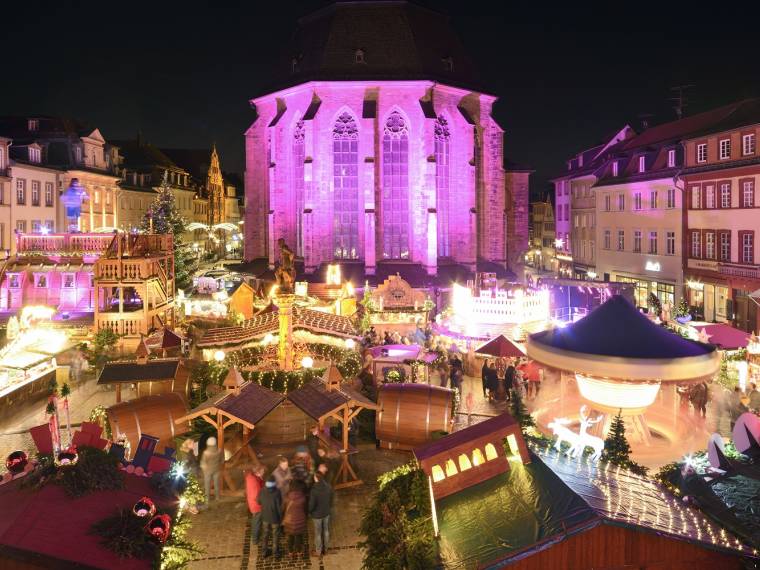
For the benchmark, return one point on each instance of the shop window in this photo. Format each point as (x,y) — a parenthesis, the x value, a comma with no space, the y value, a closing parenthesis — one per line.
(68,281)
(40,280)
(438,474)
(477,457)
(451,468)
(13,281)
(491,452)
(464,463)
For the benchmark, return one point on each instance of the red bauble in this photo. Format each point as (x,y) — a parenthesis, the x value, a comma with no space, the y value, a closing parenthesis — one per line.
(145,507)
(16,462)
(159,527)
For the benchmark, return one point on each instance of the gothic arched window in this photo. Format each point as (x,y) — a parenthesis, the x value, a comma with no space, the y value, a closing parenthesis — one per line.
(299,154)
(395,197)
(441,134)
(346,187)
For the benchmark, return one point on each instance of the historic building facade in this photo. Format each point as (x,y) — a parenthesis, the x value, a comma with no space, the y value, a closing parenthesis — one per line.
(542,253)
(378,149)
(720,178)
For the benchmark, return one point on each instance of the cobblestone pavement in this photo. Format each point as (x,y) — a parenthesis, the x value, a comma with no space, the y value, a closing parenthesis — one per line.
(84,397)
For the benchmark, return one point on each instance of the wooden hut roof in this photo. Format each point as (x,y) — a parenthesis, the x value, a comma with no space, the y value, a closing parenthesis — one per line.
(164,339)
(567,497)
(267,322)
(249,406)
(132,372)
(501,347)
(316,401)
(501,422)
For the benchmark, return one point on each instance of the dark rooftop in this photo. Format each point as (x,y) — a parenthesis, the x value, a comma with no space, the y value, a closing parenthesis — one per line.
(114,372)
(252,404)
(398,40)
(470,433)
(617,328)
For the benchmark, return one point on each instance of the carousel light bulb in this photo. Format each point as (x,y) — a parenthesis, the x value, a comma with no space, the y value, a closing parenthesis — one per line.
(219,355)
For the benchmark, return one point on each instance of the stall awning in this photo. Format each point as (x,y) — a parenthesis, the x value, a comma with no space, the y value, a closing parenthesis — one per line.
(724,336)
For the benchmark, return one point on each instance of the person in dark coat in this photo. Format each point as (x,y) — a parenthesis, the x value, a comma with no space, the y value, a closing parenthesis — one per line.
(484,377)
(509,379)
(320,505)
(492,381)
(294,518)
(313,443)
(270,500)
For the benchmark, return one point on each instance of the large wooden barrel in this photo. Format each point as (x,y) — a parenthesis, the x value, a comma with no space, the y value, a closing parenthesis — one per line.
(410,413)
(152,415)
(285,424)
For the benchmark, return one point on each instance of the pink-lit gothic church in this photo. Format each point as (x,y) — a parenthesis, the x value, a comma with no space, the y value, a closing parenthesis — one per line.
(378,147)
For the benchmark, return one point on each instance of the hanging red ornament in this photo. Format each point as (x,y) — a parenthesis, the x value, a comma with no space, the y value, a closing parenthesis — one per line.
(16,462)
(159,527)
(145,507)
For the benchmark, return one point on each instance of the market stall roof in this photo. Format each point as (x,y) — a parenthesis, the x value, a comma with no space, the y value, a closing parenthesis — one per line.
(616,341)
(724,336)
(465,435)
(47,528)
(132,372)
(248,406)
(534,506)
(267,322)
(316,401)
(501,347)
(164,339)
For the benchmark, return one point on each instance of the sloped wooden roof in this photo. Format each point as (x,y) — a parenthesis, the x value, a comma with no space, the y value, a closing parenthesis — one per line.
(130,372)
(249,406)
(267,322)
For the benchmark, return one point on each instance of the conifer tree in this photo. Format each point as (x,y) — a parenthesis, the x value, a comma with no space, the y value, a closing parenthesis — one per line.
(520,412)
(163,217)
(617,450)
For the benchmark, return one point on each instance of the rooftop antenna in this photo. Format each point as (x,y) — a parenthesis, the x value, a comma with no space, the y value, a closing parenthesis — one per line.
(678,98)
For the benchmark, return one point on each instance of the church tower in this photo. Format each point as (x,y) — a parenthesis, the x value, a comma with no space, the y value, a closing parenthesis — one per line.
(215,189)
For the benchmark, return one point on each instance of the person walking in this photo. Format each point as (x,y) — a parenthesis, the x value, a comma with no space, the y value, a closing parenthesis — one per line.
(492,381)
(735,406)
(211,465)
(509,379)
(294,518)
(698,397)
(484,377)
(754,398)
(443,375)
(254,482)
(270,501)
(313,443)
(320,504)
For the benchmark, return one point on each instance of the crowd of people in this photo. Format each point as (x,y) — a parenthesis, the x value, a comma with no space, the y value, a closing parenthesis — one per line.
(294,492)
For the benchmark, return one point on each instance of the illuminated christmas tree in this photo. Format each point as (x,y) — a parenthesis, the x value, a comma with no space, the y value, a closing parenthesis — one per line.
(163,217)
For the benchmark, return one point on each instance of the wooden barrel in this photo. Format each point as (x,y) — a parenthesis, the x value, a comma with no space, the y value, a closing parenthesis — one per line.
(285,424)
(151,415)
(410,413)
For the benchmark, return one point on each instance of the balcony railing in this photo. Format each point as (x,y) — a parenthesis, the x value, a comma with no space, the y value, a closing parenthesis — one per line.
(62,244)
(746,271)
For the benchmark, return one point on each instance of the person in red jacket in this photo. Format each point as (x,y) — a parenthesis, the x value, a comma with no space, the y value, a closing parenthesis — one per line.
(254,481)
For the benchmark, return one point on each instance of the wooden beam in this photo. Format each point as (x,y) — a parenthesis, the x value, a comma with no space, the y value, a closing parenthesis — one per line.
(209,420)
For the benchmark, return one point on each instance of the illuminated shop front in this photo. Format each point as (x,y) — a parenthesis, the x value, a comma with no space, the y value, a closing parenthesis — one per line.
(709,301)
(642,288)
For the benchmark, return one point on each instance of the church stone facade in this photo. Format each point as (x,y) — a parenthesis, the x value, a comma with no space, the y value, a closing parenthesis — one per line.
(378,148)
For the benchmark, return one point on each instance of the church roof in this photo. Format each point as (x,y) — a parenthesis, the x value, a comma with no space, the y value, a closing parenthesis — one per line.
(398,41)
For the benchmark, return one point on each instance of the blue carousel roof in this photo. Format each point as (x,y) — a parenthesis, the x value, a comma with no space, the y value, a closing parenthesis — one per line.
(618,329)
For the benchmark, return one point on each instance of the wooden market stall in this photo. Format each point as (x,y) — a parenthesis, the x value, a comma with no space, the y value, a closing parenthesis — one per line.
(243,403)
(328,398)
(410,413)
(151,377)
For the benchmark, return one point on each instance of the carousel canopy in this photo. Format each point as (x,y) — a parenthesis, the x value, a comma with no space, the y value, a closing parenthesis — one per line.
(616,340)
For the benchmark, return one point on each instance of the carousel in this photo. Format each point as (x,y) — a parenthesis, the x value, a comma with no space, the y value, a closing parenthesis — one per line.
(616,359)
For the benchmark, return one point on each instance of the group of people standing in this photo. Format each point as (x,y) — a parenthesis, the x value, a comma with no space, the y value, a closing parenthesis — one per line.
(293,493)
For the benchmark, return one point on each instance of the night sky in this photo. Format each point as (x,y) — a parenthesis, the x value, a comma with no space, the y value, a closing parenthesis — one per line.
(567,74)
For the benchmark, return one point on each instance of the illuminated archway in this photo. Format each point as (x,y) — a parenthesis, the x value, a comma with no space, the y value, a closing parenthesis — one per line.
(477,457)
(491,452)
(437,474)
(451,468)
(464,462)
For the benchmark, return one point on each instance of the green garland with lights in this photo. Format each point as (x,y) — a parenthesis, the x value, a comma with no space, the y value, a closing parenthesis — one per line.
(99,415)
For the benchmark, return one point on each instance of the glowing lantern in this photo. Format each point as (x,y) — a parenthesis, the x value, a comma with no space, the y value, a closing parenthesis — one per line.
(219,355)
(350,344)
(307,362)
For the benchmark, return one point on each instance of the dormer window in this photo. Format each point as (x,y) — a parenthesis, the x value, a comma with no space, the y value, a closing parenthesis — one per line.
(448,63)
(642,163)
(33,125)
(615,168)
(671,158)
(359,56)
(35,154)
(78,154)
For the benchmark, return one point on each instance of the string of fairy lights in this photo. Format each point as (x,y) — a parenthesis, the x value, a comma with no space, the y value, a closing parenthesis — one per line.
(635,499)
